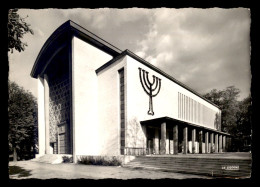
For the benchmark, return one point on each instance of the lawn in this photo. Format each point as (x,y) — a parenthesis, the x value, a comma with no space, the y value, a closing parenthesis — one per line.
(16,170)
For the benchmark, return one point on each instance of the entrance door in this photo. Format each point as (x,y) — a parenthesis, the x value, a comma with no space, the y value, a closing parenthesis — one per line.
(63,138)
(150,140)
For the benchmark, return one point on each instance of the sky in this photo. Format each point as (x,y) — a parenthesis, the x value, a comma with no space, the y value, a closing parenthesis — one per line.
(203,48)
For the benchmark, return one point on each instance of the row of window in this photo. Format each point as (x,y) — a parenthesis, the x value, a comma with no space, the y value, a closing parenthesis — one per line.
(193,111)
(122,110)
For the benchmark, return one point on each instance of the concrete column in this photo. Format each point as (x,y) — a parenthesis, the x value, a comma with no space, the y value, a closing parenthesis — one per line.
(227,143)
(185,140)
(46,109)
(224,143)
(216,143)
(156,141)
(200,140)
(206,142)
(211,141)
(163,139)
(220,143)
(41,117)
(193,138)
(167,143)
(145,138)
(175,139)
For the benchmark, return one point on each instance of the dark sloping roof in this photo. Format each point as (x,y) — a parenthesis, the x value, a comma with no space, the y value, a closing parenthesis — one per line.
(61,36)
(128,52)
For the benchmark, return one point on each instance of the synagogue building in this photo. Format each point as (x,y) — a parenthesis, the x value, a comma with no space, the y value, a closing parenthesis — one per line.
(95,99)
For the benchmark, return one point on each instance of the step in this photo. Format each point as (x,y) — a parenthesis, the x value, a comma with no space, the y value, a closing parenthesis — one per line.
(194,165)
(191,163)
(197,169)
(206,166)
(192,158)
(215,173)
(241,169)
(51,158)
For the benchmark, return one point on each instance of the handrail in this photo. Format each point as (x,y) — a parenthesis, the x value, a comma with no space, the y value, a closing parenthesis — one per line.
(135,151)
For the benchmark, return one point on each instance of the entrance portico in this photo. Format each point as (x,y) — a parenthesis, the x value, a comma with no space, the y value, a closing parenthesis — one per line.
(172,136)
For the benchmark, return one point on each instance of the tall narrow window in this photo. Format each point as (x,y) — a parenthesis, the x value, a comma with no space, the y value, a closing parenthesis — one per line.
(192,110)
(178,105)
(182,106)
(189,107)
(122,110)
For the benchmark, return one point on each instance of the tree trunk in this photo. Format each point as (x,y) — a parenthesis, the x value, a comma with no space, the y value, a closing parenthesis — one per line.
(14,154)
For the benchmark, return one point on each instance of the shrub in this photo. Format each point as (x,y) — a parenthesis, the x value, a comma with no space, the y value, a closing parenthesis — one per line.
(100,160)
(67,159)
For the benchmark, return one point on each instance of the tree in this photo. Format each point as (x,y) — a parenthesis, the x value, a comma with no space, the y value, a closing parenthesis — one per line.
(244,124)
(229,108)
(17,27)
(227,101)
(235,115)
(215,96)
(22,114)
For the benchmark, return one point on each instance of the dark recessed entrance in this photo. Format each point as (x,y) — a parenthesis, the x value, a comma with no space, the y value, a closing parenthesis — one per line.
(59,103)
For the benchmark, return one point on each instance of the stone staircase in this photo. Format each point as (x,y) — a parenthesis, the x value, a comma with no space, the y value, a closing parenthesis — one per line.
(51,158)
(217,166)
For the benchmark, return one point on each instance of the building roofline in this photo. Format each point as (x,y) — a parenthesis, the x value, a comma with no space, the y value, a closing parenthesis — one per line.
(144,62)
(95,37)
(72,29)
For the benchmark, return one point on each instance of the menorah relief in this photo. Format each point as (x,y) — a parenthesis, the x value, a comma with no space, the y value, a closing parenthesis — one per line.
(151,88)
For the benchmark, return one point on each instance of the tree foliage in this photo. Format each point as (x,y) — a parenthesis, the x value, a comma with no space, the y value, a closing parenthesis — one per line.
(243,129)
(22,114)
(17,27)
(235,115)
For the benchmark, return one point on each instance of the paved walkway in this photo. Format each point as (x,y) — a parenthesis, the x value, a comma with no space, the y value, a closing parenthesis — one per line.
(78,171)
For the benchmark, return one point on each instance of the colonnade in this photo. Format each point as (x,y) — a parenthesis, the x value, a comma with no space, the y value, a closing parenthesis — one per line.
(209,141)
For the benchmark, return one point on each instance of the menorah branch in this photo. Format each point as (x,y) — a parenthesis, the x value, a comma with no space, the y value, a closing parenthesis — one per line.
(147,86)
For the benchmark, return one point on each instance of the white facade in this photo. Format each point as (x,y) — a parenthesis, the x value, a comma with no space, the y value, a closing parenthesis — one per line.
(166,102)
(95,100)
(137,101)
(85,60)
(41,116)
